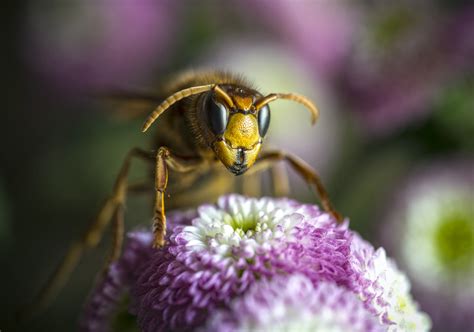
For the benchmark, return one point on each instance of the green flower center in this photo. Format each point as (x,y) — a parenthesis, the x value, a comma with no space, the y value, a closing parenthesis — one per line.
(242,224)
(454,241)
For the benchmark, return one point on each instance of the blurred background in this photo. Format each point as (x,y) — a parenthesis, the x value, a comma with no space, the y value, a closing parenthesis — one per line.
(394,144)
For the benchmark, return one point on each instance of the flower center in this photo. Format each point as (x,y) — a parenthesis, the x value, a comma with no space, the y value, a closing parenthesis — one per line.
(242,224)
(454,240)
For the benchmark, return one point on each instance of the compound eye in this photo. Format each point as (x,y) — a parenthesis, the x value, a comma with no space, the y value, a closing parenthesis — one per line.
(217,116)
(263,120)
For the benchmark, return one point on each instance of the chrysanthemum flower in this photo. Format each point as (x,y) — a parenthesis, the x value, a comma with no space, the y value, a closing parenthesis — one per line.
(432,233)
(217,254)
(384,288)
(293,303)
(229,247)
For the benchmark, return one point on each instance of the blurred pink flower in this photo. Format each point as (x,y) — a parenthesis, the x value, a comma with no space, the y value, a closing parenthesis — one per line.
(405,54)
(82,44)
(321,31)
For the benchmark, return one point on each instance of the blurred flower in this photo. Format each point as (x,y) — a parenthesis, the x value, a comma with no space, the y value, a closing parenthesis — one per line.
(405,54)
(293,303)
(320,31)
(215,255)
(275,69)
(432,232)
(80,44)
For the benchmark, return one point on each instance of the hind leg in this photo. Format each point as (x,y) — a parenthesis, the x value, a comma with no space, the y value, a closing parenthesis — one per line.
(112,209)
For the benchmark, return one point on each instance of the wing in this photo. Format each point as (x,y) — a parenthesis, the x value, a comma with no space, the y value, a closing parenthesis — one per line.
(130,105)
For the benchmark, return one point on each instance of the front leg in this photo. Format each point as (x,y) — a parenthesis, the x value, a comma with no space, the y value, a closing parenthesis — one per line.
(267,159)
(165,160)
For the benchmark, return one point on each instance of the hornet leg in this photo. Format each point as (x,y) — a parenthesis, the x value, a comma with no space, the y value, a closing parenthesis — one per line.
(267,159)
(113,208)
(166,160)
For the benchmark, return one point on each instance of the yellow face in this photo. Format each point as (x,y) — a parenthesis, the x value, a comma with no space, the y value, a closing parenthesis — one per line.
(241,144)
(238,132)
